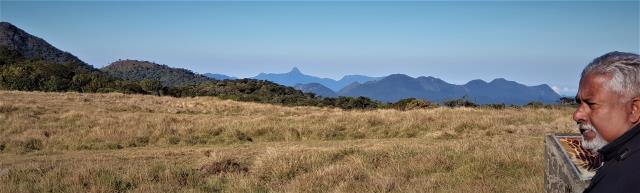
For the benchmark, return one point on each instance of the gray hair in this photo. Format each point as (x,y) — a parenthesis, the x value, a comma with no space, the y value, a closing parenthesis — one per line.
(624,69)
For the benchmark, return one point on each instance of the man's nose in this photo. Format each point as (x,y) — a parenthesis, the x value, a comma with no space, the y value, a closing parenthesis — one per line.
(580,115)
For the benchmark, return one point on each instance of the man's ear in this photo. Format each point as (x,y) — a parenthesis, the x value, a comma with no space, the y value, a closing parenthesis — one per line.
(635,110)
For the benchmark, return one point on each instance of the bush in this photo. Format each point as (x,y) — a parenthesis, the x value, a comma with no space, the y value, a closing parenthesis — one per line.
(224,167)
(31,145)
(567,101)
(7,108)
(106,90)
(112,181)
(114,146)
(139,142)
(463,102)
(495,106)
(535,105)
(351,103)
(151,86)
(173,140)
(412,103)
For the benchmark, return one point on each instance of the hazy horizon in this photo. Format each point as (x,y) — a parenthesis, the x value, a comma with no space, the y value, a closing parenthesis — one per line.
(527,42)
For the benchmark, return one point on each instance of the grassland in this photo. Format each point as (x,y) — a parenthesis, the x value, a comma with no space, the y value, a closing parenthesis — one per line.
(74,142)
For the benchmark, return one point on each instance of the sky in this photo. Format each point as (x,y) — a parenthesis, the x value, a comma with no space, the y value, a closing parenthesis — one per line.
(531,42)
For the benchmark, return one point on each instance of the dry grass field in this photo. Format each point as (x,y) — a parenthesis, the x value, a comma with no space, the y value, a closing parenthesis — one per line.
(74,142)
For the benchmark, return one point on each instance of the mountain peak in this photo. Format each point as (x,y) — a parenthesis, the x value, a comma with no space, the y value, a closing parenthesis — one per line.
(503,81)
(295,70)
(7,26)
(476,81)
(500,80)
(398,76)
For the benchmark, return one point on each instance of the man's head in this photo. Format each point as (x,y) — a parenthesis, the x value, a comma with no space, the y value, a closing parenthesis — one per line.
(608,98)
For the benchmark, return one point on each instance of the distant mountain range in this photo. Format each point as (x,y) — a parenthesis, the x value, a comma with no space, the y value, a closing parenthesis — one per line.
(399,86)
(295,77)
(219,76)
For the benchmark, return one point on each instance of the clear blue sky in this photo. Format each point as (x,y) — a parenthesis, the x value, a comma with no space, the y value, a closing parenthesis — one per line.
(531,42)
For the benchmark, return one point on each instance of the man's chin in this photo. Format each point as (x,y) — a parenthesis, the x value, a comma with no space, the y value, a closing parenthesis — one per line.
(594,144)
(591,139)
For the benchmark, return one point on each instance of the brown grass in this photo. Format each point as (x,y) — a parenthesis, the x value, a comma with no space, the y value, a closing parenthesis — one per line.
(73,142)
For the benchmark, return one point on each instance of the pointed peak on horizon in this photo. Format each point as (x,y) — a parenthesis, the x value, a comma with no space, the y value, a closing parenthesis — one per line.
(295,70)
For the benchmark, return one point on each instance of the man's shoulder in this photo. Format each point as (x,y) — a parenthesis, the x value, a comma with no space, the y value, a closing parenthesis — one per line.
(629,156)
(628,160)
(622,172)
(631,151)
(619,175)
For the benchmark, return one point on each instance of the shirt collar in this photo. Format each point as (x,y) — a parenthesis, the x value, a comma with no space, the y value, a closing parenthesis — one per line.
(615,148)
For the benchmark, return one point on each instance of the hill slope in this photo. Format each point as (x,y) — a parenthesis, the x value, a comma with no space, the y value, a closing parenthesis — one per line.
(29,47)
(316,88)
(136,70)
(30,63)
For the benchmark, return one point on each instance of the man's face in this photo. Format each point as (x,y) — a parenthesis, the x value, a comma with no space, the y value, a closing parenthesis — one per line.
(607,111)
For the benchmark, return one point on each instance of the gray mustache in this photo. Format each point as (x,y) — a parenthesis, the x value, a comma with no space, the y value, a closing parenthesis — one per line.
(584,127)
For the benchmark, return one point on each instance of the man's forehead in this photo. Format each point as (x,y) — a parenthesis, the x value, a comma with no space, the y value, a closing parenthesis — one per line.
(591,84)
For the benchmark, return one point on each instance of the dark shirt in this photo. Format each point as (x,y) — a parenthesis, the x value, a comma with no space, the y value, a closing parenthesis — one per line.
(621,169)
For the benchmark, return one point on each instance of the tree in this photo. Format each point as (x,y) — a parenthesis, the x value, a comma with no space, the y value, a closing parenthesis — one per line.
(55,83)
(463,102)
(412,103)
(79,81)
(151,86)
(535,104)
(567,101)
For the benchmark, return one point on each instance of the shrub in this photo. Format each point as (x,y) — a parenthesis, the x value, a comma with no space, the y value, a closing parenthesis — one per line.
(111,181)
(151,86)
(114,146)
(173,140)
(463,102)
(224,167)
(567,101)
(412,103)
(495,106)
(31,145)
(139,142)
(535,104)
(6,108)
